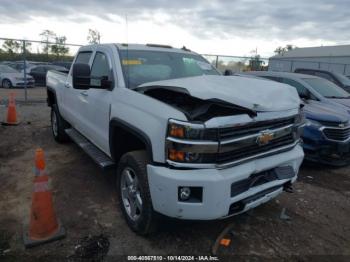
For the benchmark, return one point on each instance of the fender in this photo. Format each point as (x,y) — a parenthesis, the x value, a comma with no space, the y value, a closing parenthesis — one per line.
(50,89)
(116,122)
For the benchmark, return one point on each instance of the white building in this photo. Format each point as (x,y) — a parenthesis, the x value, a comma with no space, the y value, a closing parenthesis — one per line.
(331,58)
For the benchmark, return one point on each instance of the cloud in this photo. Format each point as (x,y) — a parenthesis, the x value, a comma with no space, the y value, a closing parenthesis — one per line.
(258,19)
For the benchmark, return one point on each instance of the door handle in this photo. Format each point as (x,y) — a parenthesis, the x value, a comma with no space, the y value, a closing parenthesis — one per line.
(84,93)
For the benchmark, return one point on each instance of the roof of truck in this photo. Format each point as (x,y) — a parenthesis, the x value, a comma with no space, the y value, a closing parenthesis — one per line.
(149,47)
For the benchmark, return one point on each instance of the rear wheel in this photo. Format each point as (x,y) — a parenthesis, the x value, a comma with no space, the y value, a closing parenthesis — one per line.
(58,125)
(133,192)
(6,83)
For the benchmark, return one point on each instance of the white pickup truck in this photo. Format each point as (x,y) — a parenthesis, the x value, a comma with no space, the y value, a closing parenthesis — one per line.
(186,142)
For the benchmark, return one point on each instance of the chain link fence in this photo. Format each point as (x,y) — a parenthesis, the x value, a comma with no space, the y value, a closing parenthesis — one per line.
(24,64)
(238,64)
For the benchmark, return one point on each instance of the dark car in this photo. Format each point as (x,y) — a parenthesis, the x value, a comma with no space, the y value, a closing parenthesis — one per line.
(63,64)
(327,132)
(39,73)
(336,78)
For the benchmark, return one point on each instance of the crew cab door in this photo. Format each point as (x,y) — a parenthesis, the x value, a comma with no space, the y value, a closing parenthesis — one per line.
(96,109)
(74,100)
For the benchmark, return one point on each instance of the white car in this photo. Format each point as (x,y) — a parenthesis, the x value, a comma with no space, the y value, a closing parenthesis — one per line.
(10,78)
(185,141)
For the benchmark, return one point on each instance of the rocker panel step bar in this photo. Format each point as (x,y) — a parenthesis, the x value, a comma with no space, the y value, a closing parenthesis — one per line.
(104,161)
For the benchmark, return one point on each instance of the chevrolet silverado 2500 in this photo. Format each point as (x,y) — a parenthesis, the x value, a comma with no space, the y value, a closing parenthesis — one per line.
(186,142)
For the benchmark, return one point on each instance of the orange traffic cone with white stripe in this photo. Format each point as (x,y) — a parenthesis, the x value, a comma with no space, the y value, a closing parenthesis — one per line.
(11,112)
(44,226)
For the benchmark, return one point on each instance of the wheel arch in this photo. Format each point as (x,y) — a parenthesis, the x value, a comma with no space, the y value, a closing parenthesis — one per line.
(124,138)
(51,97)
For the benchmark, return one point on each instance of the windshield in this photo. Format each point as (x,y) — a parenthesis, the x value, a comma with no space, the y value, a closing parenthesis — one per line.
(147,66)
(7,69)
(326,88)
(343,79)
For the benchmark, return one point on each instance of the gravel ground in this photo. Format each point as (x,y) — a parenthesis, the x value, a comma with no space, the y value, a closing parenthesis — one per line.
(86,203)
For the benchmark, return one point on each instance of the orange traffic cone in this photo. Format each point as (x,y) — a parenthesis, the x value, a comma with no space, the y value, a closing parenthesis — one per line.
(11,111)
(44,226)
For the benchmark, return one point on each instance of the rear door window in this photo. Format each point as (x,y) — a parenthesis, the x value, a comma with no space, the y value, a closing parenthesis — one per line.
(100,69)
(83,57)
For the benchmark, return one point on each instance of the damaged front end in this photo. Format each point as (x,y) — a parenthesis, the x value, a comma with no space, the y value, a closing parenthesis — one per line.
(241,134)
(194,108)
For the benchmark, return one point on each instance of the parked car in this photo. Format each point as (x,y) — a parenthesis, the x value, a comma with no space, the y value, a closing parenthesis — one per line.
(10,77)
(186,141)
(39,73)
(19,65)
(336,78)
(326,136)
(62,63)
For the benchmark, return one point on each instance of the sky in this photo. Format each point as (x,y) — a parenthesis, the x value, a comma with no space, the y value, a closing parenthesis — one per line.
(225,27)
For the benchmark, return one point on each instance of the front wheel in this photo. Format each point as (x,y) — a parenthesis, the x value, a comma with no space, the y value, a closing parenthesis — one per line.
(133,192)
(6,83)
(58,125)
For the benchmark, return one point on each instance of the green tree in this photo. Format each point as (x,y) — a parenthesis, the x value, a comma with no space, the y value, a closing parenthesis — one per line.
(12,46)
(59,48)
(290,47)
(94,36)
(255,63)
(28,47)
(281,50)
(47,36)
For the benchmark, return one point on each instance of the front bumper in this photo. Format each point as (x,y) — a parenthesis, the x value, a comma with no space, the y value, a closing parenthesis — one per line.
(217,197)
(322,150)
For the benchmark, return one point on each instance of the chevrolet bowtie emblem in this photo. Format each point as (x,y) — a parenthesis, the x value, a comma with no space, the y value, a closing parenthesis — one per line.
(264,138)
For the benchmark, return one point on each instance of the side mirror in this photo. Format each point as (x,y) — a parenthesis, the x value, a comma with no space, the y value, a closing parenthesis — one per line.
(105,83)
(305,95)
(228,72)
(81,76)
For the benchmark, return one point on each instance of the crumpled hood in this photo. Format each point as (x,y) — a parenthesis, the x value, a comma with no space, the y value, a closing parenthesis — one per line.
(254,94)
(321,111)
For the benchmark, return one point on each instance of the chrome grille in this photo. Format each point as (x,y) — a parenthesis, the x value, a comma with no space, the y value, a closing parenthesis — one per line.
(253,149)
(253,128)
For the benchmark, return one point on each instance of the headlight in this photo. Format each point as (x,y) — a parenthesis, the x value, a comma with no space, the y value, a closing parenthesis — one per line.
(184,130)
(190,142)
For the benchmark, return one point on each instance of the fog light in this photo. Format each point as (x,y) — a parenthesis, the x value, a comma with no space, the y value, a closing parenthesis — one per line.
(185,193)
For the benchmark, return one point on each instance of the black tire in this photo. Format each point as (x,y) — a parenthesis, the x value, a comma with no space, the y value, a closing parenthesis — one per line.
(6,83)
(58,132)
(147,220)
